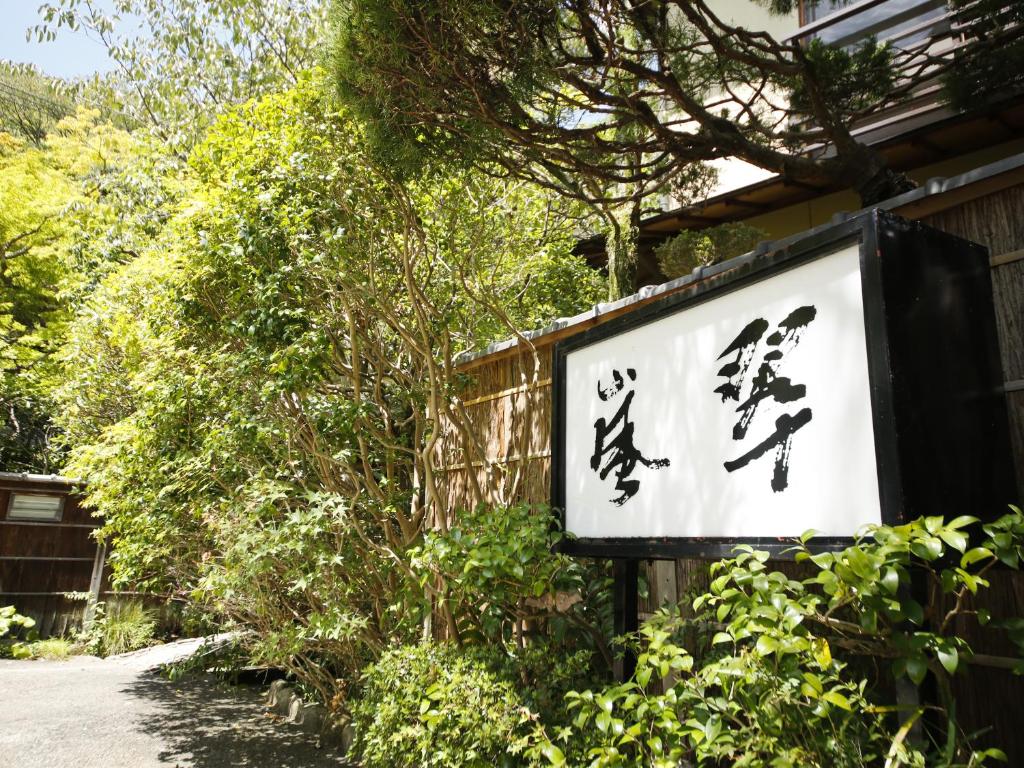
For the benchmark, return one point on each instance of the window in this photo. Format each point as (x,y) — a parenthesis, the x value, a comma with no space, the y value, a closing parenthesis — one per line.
(35,506)
(900,22)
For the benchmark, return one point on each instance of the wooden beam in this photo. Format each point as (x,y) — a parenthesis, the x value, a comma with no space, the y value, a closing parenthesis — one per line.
(1006,258)
(506,392)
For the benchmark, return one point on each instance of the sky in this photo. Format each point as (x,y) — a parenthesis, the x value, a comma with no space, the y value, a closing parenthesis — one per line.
(72,54)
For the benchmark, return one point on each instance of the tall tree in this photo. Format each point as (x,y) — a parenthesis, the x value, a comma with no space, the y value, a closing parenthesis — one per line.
(274,374)
(31,103)
(616,99)
(179,63)
(55,198)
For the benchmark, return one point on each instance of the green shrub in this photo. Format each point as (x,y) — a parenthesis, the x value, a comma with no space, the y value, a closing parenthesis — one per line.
(441,706)
(119,627)
(794,674)
(690,249)
(499,575)
(9,617)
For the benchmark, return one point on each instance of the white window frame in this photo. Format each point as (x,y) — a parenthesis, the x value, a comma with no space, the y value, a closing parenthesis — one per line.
(57,515)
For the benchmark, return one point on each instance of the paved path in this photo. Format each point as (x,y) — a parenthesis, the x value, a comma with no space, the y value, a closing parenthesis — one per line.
(117,713)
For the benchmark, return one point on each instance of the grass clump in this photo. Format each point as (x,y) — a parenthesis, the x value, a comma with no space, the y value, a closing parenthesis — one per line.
(120,627)
(51,649)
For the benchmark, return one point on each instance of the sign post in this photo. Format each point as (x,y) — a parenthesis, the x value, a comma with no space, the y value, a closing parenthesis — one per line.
(626,591)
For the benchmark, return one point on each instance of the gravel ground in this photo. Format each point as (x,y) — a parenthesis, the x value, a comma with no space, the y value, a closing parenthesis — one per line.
(118,713)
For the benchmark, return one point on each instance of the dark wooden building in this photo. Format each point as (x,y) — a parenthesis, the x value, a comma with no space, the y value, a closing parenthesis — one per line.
(49,560)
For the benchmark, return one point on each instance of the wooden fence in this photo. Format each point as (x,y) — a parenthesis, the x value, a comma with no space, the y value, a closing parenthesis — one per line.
(508,401)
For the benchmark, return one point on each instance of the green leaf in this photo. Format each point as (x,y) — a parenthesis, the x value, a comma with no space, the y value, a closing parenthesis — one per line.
(955,539)
(807,535)
(822,652)
(643,676)
(553,754)
(972,556)
(917,668)
(948,658)
(995,754)
(834,697)
(912,610)
(823,559)
(928,549)
(891,580)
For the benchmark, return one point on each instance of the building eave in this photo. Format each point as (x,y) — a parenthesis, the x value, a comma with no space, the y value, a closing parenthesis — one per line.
(936,194)
(28,477)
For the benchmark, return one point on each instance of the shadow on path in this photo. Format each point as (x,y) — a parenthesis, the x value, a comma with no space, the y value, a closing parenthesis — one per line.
(205,723)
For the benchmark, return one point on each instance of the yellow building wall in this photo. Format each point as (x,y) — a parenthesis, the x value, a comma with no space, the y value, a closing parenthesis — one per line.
(796,218)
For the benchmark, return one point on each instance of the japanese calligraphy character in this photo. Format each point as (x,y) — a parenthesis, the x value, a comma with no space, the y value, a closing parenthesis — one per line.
(614,448)
(766,384)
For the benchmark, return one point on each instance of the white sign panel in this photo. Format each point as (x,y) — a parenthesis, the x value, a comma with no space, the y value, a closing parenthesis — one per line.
(747,415)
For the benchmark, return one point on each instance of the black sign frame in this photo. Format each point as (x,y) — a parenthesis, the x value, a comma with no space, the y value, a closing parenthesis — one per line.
(942,444)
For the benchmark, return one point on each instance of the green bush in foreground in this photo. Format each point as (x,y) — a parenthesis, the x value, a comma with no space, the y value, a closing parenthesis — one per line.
(793,673)
(769,671)
(10,619)
(438,705)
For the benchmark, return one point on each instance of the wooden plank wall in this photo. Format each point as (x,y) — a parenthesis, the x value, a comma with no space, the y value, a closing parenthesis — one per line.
(41,561)
(499,387)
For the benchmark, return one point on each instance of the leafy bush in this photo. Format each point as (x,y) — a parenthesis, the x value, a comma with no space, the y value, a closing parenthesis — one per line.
(773,690)
(688,250)
(254,401)
(499,573)
(9,617)
(119,627)
(438,705)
